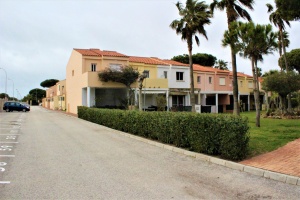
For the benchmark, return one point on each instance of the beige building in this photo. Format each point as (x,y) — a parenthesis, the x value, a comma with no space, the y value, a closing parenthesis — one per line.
(82,83)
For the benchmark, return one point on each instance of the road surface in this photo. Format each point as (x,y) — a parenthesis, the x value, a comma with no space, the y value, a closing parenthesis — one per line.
(50,155)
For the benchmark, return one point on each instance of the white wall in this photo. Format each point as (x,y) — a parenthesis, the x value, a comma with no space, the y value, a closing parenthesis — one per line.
(179,84)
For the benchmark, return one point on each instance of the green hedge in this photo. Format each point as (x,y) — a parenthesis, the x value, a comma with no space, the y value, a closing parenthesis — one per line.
(222,135)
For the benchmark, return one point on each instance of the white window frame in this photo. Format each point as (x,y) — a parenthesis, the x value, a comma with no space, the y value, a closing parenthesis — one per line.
(115,66)
(93,67)
(166,74)
(250,84)
(222,81)
(179,76)
(146,73)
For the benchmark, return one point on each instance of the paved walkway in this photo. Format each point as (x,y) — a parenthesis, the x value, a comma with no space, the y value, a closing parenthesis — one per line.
(285,160)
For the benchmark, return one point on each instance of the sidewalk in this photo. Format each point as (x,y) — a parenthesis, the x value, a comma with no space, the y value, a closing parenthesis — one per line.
(285,160)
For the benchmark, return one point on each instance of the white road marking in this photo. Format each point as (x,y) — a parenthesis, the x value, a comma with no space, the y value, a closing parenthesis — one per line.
(9,134)
(7,155)
(9,142)
(4,182)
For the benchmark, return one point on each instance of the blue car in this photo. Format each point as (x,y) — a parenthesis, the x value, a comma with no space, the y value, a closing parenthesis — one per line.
(10,106)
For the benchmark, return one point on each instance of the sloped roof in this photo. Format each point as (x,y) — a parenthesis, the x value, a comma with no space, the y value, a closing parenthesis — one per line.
(146,60)
(171,62)
(240,74)
(197,67)
(98,52)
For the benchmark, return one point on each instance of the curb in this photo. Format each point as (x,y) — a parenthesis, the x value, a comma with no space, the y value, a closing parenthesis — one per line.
(293,180)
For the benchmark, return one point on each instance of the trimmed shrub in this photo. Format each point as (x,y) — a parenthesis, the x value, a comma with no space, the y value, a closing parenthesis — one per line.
(221,135)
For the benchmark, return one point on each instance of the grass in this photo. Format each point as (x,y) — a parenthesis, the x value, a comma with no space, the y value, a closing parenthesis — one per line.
(272,134)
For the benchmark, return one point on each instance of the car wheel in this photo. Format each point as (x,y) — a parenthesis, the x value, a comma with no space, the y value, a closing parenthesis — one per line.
(24,110)
(7,110)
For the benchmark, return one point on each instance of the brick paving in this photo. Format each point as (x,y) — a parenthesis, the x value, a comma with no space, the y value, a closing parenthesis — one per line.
(285,160)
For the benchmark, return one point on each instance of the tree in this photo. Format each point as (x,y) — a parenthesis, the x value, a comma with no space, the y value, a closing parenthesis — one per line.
(233,11)
(37,94)
(203,59)
(126,75)
(194,17)
(48,83)
(4,95)
(289,82)
(289,9)
(254,41)
(278,20)
(221,64)
(286,42)
(293,58)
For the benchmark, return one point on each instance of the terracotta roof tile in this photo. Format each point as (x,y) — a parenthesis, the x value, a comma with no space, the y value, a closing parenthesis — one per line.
(197,67)
(98,52)
(146,60)
(240,74)
(172,62)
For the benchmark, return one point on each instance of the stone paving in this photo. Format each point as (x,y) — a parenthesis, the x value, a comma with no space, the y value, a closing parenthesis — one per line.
(285,160)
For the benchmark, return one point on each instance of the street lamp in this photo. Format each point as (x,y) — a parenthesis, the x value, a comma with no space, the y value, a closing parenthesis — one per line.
(5,81)
(145,73)
(19,95)
(13,88)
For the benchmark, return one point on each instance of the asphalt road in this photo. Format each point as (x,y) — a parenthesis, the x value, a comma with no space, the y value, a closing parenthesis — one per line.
(49,155)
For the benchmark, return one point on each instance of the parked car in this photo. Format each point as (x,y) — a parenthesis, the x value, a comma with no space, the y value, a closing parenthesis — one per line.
(10,106)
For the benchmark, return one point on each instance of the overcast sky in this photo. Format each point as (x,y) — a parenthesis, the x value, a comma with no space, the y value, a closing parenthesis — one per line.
(37,36)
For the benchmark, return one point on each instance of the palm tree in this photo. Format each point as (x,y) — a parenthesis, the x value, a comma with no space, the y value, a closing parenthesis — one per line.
(234,11)
(285,41)
(253,42)
(193,18)
(221,64)
(278,21)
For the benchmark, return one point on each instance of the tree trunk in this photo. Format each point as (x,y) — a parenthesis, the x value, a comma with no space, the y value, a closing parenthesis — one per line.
(267,101)
(256,91)
(236,107)
(286,67)
(140,80)
(192,89)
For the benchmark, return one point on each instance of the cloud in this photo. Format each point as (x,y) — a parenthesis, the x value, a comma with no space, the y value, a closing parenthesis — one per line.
(37,37)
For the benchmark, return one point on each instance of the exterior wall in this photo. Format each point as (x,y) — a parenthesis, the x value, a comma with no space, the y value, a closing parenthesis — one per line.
(173,83)
(225,87)
(79,77)
(204,85)
(74,82)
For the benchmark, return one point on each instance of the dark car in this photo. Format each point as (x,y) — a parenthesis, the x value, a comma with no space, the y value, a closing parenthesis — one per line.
(12,105)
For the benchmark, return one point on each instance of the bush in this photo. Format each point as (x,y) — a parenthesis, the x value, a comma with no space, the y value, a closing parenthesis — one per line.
(221,135)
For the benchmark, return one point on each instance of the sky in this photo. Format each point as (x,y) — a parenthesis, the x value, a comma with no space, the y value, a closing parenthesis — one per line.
(38,36)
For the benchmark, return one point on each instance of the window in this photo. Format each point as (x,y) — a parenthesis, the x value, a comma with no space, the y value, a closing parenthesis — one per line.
(72,72)
(250,84)
(93,67)
(146,73)
(62,88)
(179,76)
(116,67)
(198,79)
(241,83)
(222,81)
(62,98)
(165,74)
(210,80)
